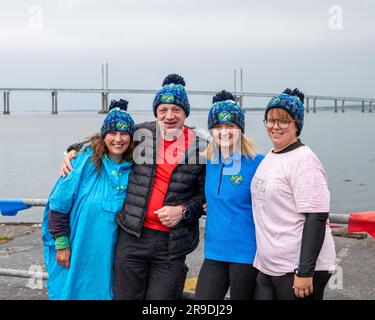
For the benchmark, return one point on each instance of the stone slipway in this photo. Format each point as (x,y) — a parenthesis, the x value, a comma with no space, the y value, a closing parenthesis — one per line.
(21,249)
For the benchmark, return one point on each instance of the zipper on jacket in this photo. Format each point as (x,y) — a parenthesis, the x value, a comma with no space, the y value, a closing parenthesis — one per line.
(221,178)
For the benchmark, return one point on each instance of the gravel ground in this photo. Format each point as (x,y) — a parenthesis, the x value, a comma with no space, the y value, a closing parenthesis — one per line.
(21,248)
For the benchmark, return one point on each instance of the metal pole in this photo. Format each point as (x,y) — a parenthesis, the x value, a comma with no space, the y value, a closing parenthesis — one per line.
(335,106)
(241,75)
(339,218)
(35,202)
(102,76)
(314,107)
(106,103)
(8,110)
(235,81)
(107,94)
(102,109)
(363,106)
(307,105)
(54,102)
(23,274)
(5,103)
(240,99)
(343,106)
(106,70)
(56,112)
(241,96)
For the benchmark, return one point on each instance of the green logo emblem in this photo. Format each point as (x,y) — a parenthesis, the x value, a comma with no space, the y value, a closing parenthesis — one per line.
(122,126)
(167,98)
(225,116)
(275,101)
(236,179)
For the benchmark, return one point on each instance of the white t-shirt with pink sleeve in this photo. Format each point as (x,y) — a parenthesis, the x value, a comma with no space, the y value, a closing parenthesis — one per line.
(285,186)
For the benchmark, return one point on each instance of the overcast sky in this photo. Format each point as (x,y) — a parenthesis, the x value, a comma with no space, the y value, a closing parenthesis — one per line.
(323,47)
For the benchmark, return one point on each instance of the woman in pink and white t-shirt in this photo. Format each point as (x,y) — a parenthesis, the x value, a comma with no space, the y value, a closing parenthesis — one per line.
(295,249)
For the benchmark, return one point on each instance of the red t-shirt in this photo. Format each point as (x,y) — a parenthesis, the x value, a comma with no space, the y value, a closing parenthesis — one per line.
(169,154)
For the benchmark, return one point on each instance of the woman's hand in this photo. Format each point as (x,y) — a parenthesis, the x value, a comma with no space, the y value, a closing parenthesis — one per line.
(66,167)
(63,257)
(302,286)
(205,208)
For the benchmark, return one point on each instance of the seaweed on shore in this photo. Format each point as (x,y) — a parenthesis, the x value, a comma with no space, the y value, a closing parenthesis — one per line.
(5,239)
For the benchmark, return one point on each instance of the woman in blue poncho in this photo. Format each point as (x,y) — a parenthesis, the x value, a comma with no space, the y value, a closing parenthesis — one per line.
(79,227)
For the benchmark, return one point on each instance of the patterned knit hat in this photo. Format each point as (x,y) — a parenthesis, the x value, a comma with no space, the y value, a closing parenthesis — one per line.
(172,92)
(118,119)
(224,110)
(291,102)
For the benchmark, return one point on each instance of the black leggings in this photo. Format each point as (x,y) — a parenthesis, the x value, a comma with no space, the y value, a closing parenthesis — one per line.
(281,288)
(215,277)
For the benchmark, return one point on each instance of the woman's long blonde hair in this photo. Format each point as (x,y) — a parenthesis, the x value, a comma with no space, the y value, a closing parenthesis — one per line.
(248,148)
(99,149)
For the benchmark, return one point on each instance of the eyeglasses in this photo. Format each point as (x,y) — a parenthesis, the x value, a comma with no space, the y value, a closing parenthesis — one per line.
(283,124)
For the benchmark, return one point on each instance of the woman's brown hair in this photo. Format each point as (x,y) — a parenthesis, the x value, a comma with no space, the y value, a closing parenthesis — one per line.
(99,149)
(278,113)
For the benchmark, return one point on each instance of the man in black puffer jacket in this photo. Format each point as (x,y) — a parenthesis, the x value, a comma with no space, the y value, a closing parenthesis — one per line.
(159,221)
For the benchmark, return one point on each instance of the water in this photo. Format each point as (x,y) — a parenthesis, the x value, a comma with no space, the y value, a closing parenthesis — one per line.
(32,146)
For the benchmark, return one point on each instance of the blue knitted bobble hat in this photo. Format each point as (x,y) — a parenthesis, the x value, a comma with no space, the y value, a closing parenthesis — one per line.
(118,119)
(172,92)
(292,102)
(224,110)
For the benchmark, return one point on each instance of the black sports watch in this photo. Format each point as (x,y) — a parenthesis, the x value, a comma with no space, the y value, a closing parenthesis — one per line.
(186,214)
(299,274)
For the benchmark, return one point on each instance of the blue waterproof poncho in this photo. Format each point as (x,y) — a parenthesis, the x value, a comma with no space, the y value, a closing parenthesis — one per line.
(92,201)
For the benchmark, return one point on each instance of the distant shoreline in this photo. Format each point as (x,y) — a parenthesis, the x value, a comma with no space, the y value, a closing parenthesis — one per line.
(326,108)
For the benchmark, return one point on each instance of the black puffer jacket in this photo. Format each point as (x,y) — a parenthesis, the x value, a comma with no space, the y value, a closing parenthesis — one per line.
(186,187)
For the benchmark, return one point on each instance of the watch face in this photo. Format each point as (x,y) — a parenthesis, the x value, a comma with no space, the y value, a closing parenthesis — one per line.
(186,214)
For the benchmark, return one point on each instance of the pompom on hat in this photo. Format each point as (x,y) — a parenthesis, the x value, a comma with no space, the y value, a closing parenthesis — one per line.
(118,119)
(172,92)
(292,102)
(224,110)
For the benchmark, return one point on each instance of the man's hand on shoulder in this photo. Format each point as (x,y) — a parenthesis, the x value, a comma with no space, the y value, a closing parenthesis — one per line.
(66,167)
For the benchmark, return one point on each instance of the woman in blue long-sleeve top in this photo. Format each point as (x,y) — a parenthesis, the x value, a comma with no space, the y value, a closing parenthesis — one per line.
(230,244)
(79,228)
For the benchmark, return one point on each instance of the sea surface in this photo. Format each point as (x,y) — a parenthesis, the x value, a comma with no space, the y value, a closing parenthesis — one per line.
(32,146)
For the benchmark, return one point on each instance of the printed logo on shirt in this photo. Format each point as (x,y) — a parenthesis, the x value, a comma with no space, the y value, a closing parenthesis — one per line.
(225,116)
(122,125)
(167,98)
(258,189)
(236,179)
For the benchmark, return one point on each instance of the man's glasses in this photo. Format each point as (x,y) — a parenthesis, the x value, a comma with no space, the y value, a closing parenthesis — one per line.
(283,124)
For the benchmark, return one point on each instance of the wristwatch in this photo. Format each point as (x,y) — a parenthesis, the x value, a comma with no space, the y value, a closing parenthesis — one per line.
(185,212)
(299,274)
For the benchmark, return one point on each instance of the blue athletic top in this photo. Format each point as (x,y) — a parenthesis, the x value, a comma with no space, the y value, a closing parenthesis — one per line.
(230,230)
